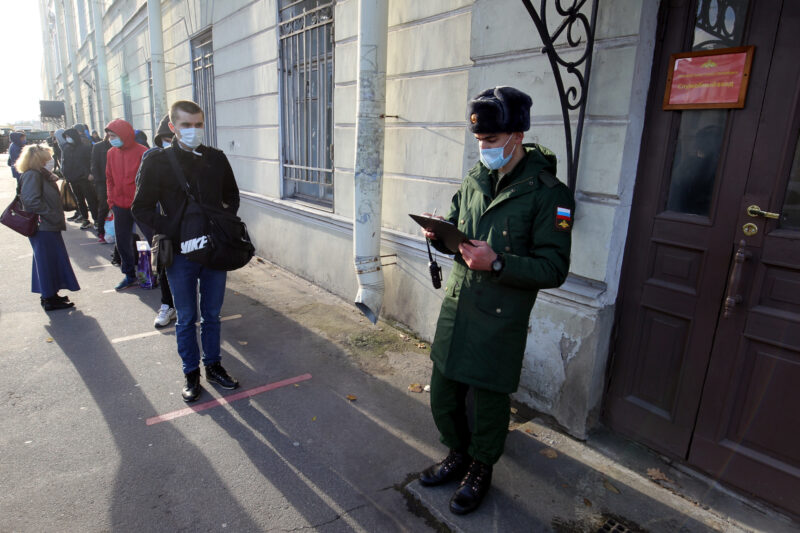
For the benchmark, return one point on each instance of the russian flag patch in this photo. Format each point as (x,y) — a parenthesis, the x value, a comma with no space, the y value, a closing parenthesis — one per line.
(563,218)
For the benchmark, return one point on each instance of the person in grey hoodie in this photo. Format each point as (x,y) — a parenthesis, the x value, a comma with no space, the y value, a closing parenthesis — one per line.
(51,270)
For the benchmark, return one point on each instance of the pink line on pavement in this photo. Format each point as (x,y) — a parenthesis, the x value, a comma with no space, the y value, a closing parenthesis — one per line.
(226,400)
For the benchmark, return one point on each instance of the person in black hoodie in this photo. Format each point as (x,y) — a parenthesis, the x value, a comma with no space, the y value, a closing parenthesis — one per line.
(166,313)
(76,162)
(99,154)
(210,177)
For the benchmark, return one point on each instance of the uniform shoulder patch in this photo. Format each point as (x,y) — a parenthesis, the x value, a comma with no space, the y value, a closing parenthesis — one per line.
(563,218)
(548,179)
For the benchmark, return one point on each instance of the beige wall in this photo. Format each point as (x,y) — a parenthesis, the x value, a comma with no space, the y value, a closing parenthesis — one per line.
(440,54)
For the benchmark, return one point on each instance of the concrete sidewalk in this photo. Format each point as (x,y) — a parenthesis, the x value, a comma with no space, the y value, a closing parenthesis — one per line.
(77,388)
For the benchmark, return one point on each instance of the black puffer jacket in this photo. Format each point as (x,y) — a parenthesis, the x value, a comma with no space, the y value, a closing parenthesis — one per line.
(76,157)
(209,176)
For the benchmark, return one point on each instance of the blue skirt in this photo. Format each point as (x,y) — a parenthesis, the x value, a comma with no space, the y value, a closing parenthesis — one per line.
(51,270)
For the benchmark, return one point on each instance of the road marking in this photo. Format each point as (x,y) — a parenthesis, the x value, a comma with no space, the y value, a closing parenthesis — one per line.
(226,399)
(25,256)
(163,330)
(102,266)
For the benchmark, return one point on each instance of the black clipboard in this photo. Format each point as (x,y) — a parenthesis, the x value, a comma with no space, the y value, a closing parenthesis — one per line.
(445,231)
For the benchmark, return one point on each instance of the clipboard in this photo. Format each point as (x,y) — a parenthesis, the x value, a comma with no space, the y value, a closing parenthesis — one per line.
(445,231)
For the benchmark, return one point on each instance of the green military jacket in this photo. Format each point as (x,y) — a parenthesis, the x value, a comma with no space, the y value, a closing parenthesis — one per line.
(483,324)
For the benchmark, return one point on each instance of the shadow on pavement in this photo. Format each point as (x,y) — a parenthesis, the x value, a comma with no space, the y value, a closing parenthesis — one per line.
(163,482)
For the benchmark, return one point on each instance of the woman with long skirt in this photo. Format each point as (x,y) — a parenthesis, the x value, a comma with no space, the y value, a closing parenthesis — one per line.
(52,270)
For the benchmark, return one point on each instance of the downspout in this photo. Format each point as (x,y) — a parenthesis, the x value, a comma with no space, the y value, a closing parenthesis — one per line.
(72,50)
(63,51)
(102,69)
(157,60)
(373,16)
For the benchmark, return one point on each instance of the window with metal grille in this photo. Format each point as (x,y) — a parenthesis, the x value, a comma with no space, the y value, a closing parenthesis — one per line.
(203,83)
(306,51)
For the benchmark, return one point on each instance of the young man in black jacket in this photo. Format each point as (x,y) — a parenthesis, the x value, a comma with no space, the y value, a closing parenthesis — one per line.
(211,181)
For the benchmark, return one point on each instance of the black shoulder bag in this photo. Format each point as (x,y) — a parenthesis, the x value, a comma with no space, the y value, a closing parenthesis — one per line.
(211,236)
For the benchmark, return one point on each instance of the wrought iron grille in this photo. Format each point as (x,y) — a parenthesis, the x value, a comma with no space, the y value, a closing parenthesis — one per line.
(719,23)
(572,92)
(306,41)
(203,83)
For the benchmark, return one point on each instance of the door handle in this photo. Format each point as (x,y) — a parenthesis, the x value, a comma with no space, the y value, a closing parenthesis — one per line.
(755,211)
(733,298)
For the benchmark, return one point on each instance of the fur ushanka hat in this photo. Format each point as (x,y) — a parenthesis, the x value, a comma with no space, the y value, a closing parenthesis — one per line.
(500,110)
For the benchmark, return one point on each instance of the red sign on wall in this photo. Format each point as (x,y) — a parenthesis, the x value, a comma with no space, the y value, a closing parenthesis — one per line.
(708,79)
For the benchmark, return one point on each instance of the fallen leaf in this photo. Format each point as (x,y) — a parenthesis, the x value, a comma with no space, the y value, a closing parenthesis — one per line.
(313,418)
(586,502)
(530,432)
(610,487)
(415,387)
(657,475)
(49,339)
(513,410)
(296,386)
(421,345)
(550,453)
(351,397)
(243,343)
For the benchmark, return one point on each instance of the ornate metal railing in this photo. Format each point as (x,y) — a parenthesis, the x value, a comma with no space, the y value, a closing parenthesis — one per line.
(572,93)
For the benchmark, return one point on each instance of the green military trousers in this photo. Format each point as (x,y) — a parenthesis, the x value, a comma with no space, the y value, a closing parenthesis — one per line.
(490,413)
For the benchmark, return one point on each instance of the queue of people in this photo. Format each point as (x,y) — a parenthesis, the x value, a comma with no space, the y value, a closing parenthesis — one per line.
(515,214)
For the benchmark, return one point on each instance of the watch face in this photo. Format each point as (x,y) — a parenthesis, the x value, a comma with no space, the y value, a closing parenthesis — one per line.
(497,265)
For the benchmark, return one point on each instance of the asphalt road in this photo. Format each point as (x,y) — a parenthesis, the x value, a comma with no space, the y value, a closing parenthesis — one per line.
(78,388)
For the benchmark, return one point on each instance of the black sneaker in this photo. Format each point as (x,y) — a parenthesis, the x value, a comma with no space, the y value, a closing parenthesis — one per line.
(216,374)
(74,217)
(473,488)
(451,468)
(191,389)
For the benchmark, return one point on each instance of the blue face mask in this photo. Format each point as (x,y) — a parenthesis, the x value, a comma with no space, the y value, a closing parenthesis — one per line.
(116,143)
(493,158)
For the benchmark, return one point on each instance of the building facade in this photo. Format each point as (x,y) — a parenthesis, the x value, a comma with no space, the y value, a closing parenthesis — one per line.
(640,335)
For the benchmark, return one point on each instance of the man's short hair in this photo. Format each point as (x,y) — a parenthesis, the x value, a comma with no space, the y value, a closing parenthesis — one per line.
(187,106)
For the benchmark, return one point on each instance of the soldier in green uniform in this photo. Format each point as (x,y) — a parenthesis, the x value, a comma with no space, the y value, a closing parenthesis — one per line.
(518,217)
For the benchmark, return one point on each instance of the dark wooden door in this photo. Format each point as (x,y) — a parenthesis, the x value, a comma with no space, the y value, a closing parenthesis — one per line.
(748,428)
(685,379)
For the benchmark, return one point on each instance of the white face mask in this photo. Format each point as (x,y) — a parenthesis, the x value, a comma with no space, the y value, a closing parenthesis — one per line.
(191,137)
(166,144)
(50,165)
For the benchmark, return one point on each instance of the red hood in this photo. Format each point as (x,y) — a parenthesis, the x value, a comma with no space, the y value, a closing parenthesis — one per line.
(124,131)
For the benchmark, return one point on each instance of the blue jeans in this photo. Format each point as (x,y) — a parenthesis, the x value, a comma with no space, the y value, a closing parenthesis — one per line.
(184,276)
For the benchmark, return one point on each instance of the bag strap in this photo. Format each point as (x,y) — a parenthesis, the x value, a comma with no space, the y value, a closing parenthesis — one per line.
(177,171)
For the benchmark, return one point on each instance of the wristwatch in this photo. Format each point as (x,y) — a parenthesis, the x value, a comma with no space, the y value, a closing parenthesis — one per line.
(498,265)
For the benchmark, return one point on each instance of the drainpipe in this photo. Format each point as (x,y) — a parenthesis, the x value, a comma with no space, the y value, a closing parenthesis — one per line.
(63,51)
(157,60)
(96,11)
(72,50)
(370,109)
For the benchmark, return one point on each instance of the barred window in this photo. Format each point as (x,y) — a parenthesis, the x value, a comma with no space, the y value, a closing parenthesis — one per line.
(306,48)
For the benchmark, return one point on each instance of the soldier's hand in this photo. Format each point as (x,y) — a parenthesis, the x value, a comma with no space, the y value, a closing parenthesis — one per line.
(478,256)
(429,234)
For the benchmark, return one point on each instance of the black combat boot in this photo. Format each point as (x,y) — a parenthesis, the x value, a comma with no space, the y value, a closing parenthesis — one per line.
(451,468)
(216,374)
(473,488)
(191,390)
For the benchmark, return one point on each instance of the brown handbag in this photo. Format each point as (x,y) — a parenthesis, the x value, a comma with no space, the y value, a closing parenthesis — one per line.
(68,200)
(21,221)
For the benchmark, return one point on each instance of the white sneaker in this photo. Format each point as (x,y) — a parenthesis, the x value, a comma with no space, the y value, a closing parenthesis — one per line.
(166,314)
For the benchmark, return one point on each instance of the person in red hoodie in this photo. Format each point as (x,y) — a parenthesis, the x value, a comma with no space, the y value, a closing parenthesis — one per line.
(122,165)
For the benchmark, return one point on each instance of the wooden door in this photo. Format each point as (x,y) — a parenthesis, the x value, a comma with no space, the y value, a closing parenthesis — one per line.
(718,389)
(748,428)
(691,178)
